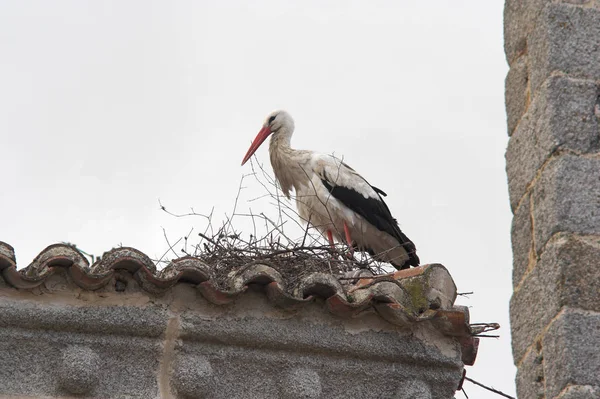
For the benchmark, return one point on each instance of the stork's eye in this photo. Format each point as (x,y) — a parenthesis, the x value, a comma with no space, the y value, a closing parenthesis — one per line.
(271,119)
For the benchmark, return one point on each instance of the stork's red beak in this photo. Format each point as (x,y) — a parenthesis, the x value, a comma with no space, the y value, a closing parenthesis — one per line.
(258,140)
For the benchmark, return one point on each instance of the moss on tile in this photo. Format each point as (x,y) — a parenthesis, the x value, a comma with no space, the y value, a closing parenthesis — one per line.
(416,292)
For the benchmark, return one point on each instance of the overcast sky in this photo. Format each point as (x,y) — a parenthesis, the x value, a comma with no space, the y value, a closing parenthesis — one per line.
(108,106)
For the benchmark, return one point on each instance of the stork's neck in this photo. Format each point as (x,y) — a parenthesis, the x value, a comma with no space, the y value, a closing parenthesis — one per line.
(282,138)
(289,165)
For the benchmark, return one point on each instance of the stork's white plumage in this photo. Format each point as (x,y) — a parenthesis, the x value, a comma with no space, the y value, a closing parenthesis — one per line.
(331,196)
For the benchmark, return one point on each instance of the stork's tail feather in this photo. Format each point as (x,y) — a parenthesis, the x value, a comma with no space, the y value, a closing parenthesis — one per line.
(409,247)
(411,250)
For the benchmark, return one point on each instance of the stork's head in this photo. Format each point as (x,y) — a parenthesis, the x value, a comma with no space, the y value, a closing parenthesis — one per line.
(277,122)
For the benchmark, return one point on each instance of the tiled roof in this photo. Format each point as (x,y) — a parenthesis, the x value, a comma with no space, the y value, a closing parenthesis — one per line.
(421,294)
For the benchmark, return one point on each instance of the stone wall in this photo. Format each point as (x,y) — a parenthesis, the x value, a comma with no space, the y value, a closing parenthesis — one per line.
(553,167)
(122,329)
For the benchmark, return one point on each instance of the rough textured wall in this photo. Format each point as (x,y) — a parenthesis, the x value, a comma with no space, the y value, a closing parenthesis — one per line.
(553,167)
(122,329)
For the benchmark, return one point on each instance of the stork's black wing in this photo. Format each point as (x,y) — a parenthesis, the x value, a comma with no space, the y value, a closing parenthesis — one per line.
(372,208)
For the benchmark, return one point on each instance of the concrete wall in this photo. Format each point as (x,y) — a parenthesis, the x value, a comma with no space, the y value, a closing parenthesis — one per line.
(553,167)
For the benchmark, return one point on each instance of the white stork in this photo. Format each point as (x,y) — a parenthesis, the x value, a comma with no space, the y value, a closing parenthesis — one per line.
(334,198)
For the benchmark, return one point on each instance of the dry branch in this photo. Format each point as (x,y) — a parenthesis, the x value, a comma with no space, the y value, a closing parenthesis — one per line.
(497,392)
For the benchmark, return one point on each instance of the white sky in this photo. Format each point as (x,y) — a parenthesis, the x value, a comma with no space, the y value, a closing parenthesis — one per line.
(105,107)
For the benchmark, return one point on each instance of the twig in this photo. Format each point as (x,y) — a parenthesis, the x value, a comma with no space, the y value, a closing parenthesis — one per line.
(237,198)
(363,277)
(169,244)
(305,233)
(489,389)
(277,227)
(253,224)
(182,215)
(184,250)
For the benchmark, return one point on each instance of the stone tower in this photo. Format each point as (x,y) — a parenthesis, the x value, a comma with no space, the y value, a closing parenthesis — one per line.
(553,167)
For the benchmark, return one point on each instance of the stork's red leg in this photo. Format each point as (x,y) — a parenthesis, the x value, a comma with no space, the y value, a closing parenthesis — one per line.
(348,240)
(331,244)
(330,239)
